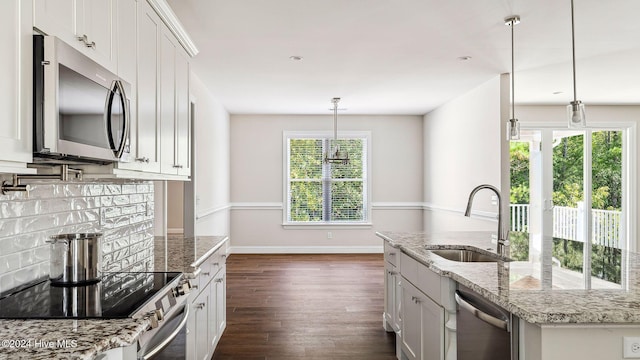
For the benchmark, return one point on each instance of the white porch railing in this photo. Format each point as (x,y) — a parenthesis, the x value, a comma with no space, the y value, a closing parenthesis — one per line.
(605,227)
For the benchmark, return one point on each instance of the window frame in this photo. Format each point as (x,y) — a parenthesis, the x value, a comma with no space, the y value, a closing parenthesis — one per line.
(366,223)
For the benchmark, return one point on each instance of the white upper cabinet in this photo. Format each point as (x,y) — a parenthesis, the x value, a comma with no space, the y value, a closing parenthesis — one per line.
(127,27)
(87,25)
(183,118)
(167,103)
(174,107)
(16,74)
(139,29)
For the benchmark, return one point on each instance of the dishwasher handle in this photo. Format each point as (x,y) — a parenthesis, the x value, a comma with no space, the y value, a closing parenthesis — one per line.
(489,319)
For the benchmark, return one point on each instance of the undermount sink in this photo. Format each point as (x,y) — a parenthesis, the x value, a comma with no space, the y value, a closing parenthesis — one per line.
(467,255)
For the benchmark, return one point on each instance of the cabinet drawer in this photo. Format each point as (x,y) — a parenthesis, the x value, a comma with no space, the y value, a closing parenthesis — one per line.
(391,254)
(421,277)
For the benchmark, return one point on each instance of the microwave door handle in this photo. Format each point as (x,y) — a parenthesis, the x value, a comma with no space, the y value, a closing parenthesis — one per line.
(117,87)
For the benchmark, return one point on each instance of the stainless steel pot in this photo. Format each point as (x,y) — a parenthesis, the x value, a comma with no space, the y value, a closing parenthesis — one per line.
(76,259)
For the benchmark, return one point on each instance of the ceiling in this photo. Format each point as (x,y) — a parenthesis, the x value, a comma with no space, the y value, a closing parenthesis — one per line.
(402,56)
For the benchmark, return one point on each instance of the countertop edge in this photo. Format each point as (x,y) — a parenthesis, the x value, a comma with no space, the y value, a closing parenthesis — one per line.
(210,252)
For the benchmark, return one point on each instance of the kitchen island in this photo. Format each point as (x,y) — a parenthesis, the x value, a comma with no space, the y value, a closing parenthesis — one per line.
(101,338)
(560,318)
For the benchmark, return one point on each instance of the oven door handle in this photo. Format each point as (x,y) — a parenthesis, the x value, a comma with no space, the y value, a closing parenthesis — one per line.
(185,316)
(489,319)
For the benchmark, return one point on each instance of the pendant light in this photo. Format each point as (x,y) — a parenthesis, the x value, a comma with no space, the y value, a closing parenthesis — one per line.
(513,126)
(336,155)
(575,109)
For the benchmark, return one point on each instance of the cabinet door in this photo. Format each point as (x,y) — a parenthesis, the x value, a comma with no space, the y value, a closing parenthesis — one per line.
(16,74)
(95,19)
(422,325)
(56,17)
(221,303)
(389,296)
(202,309)
(127,26)
(213,315)
(432,329)
(395,315)
(411,322)
(147,149)
(167,103)
(87,25)
(183,118)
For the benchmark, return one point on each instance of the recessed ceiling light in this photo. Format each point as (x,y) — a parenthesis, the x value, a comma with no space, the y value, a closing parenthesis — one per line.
(464,58)
(296,58)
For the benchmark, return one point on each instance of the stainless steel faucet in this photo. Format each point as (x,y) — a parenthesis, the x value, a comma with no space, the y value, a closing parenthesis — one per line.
(503,235)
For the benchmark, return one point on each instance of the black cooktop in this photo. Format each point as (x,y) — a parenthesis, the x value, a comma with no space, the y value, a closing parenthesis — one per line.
(117,295)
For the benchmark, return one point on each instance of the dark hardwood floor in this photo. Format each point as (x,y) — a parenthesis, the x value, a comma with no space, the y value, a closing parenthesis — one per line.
(305,307)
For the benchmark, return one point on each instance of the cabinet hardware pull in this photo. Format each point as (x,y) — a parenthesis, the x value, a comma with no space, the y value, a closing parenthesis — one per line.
(142,159)
(393,253)
(86,42)
(393,273)
(216,264)
(177,166)
(206,273)
(219,280)
(200,306)
(194,286)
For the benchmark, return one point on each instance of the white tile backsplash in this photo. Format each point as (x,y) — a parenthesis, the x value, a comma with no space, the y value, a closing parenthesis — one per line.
(118,209)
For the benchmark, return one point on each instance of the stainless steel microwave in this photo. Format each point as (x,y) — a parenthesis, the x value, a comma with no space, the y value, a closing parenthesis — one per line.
(81,110)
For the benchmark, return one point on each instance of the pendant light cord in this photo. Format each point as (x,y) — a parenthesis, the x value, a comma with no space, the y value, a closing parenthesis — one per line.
(573,49)
(513,82)
(335,119)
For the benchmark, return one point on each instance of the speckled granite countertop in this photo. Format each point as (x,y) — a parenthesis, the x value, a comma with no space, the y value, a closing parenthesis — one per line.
(66,339)
(184,254)
(540,294)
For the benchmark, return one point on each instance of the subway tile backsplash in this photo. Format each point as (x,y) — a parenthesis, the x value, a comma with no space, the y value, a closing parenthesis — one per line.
(121,210)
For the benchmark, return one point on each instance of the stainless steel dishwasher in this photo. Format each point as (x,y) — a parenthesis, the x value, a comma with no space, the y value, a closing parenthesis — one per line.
(484,331)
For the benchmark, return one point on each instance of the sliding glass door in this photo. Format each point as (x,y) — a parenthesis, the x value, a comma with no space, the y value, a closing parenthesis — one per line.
(568,205)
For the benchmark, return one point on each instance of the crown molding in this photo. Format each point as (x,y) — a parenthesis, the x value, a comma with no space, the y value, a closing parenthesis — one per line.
(164,11)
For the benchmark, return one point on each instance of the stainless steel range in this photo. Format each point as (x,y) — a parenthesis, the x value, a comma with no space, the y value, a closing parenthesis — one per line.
(161,297)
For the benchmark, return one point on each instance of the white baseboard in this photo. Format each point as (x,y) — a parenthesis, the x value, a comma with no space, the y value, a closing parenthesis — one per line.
(306,249)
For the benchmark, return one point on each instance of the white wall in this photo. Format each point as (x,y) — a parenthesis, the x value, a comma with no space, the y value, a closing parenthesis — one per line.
(212,157)
(175,207)
(257,176)
(462,149)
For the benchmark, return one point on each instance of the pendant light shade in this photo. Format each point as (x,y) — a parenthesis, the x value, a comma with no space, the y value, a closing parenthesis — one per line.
(575,109)
(513,126)
(336,155)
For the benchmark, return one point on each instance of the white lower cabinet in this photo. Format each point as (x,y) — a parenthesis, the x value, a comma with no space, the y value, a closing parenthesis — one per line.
(392,298)
(207,319)
(420,308)
(422,325)
(201,310)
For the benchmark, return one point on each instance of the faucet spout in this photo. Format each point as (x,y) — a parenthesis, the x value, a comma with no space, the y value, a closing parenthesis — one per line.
(503,235)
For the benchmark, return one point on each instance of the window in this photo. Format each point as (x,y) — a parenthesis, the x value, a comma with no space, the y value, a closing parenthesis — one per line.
(326,193)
